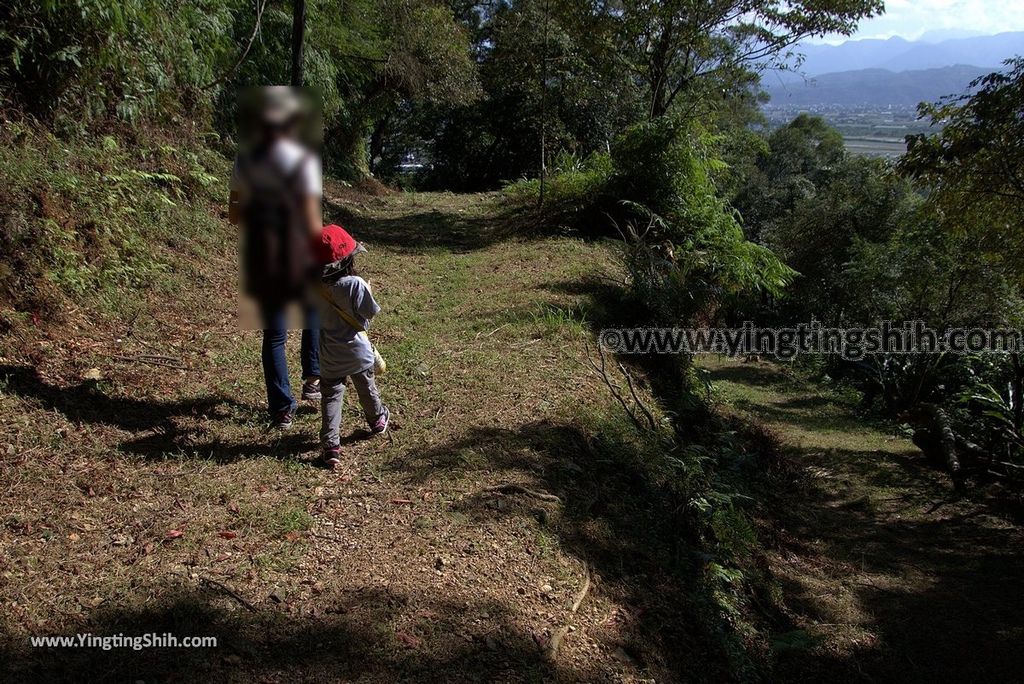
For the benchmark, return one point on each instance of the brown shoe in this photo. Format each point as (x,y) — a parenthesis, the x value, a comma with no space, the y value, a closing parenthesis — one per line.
(311,389)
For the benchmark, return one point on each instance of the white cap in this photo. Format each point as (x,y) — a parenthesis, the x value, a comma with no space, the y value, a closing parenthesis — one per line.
(280,105)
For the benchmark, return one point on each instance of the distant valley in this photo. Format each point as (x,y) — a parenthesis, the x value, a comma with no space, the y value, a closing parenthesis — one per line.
(870,89)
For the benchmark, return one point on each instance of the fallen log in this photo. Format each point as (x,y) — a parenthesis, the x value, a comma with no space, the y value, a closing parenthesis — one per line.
(934,436)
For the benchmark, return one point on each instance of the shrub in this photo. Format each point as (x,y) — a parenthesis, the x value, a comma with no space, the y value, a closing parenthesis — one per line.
(574,193)
(685,250)
(684,247)
(94,58)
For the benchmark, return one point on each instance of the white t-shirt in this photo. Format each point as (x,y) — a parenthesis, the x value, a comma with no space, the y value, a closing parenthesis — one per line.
(281,163)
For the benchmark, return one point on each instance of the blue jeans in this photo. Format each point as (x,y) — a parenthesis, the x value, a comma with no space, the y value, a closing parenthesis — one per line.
(275,363)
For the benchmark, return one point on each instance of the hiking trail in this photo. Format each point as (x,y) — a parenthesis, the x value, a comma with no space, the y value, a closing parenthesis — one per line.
(439,552)
(889,575)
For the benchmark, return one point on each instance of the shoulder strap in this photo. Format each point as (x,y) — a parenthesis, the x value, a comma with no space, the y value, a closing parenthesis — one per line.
(341,312)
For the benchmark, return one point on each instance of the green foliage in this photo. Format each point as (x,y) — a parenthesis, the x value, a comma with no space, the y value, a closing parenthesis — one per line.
(92,220)
(974,168)
(922,272)
(573,190)
(93,58)
(874,245)
(80,62)
(776,172)
(584,101)
(684,248)
(986,411)
(665,172)
(571,75)
(385,54)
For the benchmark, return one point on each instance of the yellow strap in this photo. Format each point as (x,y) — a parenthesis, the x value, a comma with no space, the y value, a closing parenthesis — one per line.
(341,312)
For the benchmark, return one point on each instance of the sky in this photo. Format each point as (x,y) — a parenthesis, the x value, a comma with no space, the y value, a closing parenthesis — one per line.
(911,18)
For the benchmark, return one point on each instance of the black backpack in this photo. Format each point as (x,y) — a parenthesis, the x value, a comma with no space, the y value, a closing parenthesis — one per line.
(275,242)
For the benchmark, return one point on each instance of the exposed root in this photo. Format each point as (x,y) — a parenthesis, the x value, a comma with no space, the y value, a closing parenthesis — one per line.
(509,488)
(555,642)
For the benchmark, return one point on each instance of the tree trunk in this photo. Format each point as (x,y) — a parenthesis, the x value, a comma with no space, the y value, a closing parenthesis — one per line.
(1017,391)
(298,35)
(937,437)
(377,142)
(543,110)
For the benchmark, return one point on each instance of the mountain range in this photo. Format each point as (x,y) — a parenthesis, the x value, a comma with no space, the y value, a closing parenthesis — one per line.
(894,71)
(875,87)
(899,54)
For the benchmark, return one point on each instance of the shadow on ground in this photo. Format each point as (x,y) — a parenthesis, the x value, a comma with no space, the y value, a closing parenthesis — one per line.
(623,516)
(934,578)
(949,608)
(430,227)
(161,428)
(354,634)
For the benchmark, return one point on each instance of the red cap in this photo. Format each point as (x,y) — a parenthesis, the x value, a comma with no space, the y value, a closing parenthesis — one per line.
(334,244)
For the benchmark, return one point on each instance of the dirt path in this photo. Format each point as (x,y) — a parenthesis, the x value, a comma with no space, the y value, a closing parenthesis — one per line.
(149,499)
(888,576)
(175,512)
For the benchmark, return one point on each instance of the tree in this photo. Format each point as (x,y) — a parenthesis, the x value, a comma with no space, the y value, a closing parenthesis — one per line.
(587,97)
(796,160)
(688,48)
(406,50)
(974,167)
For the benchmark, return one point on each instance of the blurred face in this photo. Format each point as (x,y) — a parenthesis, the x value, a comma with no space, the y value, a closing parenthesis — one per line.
(275,112)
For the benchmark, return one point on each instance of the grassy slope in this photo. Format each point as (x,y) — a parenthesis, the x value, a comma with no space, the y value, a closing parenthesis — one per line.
(887,575)
(403,565)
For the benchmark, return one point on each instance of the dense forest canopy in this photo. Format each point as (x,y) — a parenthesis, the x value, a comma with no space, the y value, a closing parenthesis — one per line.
(469,87)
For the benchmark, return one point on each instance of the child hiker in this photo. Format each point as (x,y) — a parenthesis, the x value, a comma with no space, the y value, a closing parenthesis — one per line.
(346,308)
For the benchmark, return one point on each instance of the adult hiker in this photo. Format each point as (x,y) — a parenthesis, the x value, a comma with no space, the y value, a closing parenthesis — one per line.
(276,187)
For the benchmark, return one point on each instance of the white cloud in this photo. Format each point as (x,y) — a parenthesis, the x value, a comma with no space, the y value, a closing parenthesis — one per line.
(911,18)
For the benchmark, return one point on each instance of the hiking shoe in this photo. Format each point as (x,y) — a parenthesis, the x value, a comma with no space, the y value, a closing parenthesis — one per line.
(331,457)
(380,426)
(311,389)
(282,420)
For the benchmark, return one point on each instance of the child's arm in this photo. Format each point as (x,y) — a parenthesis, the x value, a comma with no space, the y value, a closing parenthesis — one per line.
(363,302)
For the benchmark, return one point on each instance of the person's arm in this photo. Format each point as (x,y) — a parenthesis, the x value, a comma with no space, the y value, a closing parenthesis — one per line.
(312,216)
(312,186)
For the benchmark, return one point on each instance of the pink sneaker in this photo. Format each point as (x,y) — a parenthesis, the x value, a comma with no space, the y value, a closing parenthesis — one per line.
(380,426)
(331,458)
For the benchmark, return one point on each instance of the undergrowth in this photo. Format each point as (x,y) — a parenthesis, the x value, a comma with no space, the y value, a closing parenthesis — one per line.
(687,505)
(86,219)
